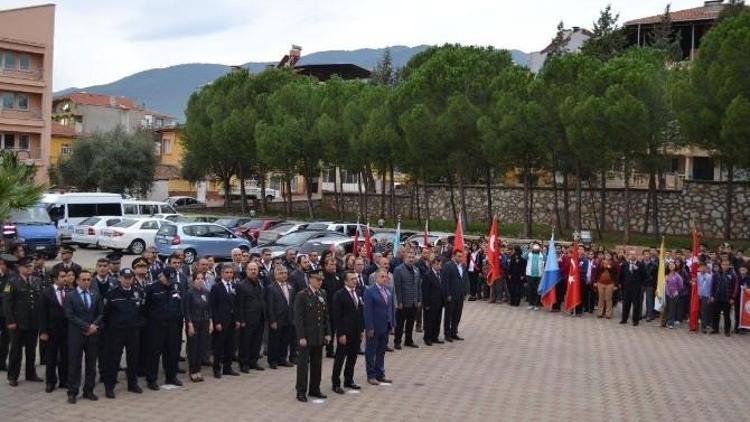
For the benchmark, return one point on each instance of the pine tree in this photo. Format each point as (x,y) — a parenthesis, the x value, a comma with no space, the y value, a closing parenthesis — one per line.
(384,74)
(608,39)
(665,38)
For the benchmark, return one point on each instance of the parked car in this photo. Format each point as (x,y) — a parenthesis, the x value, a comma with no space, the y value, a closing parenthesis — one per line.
(232,222)
(194,219)
(185,202)
(349,229)
(251,229)
(33,228)
(198,239)
(254,192)
(433,237)
(132,235)
(87,233)
(333,241)
(389,235)
(279,230)
(296,240)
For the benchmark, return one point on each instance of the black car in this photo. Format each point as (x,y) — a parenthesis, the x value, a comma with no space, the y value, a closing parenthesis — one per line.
(296,240)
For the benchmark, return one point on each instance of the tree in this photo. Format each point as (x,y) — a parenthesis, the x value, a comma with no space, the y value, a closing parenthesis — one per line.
(664,38)
(713,99)
(17,186)
(608,39)
(115,161)
(383,73)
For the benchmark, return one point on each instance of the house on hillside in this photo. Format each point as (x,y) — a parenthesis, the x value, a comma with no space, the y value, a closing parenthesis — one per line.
(573,40)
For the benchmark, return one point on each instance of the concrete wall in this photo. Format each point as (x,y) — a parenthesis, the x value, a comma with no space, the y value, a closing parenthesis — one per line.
(699,203)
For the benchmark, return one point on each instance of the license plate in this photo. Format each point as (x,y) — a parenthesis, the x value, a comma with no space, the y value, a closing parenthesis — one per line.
(39,248)
(79,231)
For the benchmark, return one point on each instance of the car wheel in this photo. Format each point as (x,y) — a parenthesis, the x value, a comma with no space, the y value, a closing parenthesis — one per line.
(190,255)
(137,247)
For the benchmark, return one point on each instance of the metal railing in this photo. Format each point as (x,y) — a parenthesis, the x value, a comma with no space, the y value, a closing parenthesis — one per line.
(31,113)
(15,72)
(26,154)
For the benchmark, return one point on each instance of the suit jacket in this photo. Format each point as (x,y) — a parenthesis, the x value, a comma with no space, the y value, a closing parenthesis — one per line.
(76,268)
(51,311)
(455,284)
(297,280)
(632,279)
(433,292)
(347,318)
(79,318)
(331,284)
(378,314)
(222,304)
(249,302)
(407,285)
(278,310)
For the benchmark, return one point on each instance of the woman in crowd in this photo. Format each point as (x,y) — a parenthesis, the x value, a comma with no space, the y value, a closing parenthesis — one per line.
(198,325)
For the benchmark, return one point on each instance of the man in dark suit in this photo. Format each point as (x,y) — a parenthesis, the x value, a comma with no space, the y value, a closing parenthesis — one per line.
(250,314)
(632,276)
(279,312)
(378,321)
(103,281)
(21,310)
(349,321)
(311,322)
(299,278)
(84,310)
(455,279)
(407,285)
(433,295)
(225,322)
(331,284)
(53,329)
(41,272)
(66,255)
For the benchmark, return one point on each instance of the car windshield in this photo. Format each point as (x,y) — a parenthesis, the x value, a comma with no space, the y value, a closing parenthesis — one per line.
(125,223)
(318,226)
(167,230)
(255,224)
(296,238)
(32,215)
(282,228)
(90,221)
(226,222)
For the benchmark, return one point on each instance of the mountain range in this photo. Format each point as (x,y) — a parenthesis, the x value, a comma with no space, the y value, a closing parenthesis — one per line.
(167,89)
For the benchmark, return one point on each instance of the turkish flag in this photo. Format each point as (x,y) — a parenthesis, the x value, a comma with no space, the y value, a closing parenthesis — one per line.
(458,238)
(368,243)
(694,302)
(744,308)
(573,293)
(493,254)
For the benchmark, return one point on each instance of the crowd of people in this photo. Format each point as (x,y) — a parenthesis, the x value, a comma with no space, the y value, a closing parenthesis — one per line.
(292,309)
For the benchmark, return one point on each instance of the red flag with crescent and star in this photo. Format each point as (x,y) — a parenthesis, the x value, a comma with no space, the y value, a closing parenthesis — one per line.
(493,254)
(573,293)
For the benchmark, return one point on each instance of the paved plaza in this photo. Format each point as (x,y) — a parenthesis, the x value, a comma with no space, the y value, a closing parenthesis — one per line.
(514,365)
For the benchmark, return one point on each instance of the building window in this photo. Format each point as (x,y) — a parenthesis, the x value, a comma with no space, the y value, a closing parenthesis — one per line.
(66,149)
(166,146)
(22,101)
(7,100)
(23,142)
(10,60)
(9,141)
(24,62)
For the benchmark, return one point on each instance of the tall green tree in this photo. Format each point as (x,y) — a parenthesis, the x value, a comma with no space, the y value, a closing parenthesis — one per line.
(17,186)
(712,100)
(608,39)
(664,38)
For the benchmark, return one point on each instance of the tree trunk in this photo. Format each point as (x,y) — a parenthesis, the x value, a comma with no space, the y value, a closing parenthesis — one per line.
(393,194)
(426,199)
(603,202)
(527,202)
(308,188)
(579,199)
(728,205)
(649,201)
(626,222)
(290,204)
(489,193)
(416,194)
(336,199)
(453,199)
(382,196)
(558,222)
(359,191)
(227,192)
(366,177)
(262,177)
(655,214)
(340,181)
(566,200)
(243,193)
(462,199)
(593,211)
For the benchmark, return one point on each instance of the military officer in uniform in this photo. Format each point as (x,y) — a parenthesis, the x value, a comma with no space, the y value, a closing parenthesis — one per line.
(40,270)
(123,317)
(114,263)
(66,254)
(6,261)
(103,282)
(164,310)
(313,332)
(20,306)
(141,281)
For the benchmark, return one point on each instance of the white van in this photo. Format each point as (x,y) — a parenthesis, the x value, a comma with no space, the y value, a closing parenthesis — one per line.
(67,210)
(135,208)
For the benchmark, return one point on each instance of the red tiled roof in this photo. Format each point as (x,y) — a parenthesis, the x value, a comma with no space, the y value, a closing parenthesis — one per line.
(100,100)
(706,12)
(62,131)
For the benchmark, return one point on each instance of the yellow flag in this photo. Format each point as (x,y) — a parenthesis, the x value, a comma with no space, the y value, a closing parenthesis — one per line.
(661,279)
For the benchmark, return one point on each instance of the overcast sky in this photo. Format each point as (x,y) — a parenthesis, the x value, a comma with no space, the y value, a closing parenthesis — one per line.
(100,41)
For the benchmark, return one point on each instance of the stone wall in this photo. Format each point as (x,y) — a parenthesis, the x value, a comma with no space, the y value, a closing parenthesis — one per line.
(701,203)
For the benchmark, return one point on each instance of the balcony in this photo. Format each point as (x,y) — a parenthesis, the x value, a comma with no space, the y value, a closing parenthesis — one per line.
(18,73)
(31,113)
(30,154)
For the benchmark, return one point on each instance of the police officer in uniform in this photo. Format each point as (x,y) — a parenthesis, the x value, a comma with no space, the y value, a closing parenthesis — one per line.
(20,306)
(313,332)
(114,264)
(141,280)
(164,310)
(6,262)
(123,317)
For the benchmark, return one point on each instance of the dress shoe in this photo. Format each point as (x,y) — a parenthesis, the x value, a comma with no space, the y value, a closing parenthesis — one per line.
(385,380)
(90,396)
(3,367)
(330,355)
(153,386)
(176,382)
(436,341)
(34,378)
(13,383)
(353,386)
(412,345)
(135,389)
(388,349)
(338,390)
(458,338)
(258,368)
(293,360)
(62,385)
(50,388)
(428,342)
(419,330)
(448,339)
(635,324)
(217,374)
(182,358)
(286,364)
(231,372)
(372,381)
(301,397)
(318,395)
(623,322)
(181,371)
(72,399)
(397,346)
(245,369)
(272,365)
(110,394)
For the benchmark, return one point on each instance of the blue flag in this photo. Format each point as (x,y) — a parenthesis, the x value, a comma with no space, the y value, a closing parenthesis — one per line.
(550,277)
(397,240)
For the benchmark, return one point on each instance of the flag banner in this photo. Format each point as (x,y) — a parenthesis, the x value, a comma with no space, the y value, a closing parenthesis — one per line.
(458,238)
(426,233)
(397,239)
(493,255)
(694,301)
(368,243)
(745,308)
(660,301)
(550,277)
(355,247)
(573,293)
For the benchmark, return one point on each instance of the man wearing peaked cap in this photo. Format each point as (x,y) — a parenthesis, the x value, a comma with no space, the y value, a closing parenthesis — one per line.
(66,256)
(114,263)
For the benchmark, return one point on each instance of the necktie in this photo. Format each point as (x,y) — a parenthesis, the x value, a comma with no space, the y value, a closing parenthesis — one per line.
(383,294)
(61,295)
(354,298)
(286,292)
(229,289)
(86,299)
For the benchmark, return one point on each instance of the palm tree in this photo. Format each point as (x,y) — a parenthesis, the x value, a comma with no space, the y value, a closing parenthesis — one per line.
(17,186)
